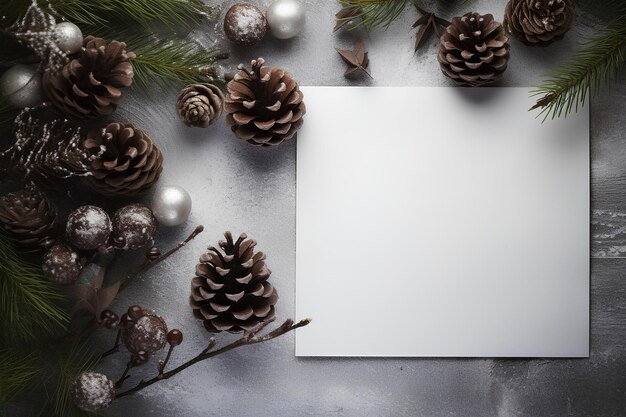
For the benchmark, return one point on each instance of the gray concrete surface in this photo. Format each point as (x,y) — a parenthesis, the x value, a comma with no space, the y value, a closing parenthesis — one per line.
(238,187)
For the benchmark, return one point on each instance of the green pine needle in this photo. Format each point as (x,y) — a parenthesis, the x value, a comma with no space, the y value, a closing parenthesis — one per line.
(28,304)
(375,13)
(116,13)
(73,360)
(184,62)
(599,63)
(17,369)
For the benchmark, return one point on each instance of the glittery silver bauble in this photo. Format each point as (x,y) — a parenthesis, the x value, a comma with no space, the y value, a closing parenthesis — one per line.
(171,205)
(286,18)
(21,85)
(68,37)
(92,391)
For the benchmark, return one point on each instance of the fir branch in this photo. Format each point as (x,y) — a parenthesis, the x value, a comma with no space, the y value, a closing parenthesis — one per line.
(28,304)
(183,62)
(598,64)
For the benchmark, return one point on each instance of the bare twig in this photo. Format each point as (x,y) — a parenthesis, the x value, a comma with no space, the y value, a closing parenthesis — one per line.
(249,338)
(150,263)
(116,345)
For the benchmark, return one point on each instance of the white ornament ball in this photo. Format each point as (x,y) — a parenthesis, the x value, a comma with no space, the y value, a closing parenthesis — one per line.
(171,205)
(21,86)
(286,18)
(68,37)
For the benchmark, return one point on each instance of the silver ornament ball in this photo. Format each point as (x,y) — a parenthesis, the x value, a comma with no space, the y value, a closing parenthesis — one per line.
(171,205)
(286,18)
(21,86)
(68,37)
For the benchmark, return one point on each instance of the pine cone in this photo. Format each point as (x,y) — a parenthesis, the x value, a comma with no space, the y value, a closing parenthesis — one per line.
(264,105)
(538,22)
(89,86)
(199,105)
(124,160)
(474,50)
(230,291)
(30,219)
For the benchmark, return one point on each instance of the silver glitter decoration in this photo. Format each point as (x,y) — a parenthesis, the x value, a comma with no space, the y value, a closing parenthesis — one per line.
(44,150)
(36,31)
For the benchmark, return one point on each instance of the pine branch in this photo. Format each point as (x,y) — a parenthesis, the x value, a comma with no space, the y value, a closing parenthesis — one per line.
(183,62)
(28,304)
(598,64)
(116,13)
(374,13)
(72,361)
(17,369)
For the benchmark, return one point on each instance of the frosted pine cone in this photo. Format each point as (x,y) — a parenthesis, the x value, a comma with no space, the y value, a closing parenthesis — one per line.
(265,105)
(30,219)
(230,291)
(538,22)
(90,86)
(125,161)
(474,51)
(199,105)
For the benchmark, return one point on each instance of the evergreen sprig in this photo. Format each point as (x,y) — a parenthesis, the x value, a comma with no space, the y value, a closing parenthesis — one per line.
(159,61)
(374,12)
(115,13)
(599,63)
(17,369)
(29,305)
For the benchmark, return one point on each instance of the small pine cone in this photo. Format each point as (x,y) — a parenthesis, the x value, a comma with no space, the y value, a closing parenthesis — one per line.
(474,50)
(264,105)
(30,219)
(538,22)
(230,291)
(199,105)
(125,161)
(89,86)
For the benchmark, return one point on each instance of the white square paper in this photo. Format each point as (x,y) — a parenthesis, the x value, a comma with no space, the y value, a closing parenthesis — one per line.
(441,222)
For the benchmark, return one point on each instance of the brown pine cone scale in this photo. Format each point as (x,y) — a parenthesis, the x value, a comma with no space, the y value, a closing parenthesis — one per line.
(230,291)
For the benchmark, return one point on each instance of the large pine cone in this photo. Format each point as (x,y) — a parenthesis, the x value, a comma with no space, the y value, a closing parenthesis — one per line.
(199,105)
(230,291)
(474,50)
(30,219)
(538,22)
(125,161)
(89,86)
(264,105)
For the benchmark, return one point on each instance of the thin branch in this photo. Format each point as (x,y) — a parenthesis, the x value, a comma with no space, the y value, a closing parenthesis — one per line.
(249,338)
(150,263)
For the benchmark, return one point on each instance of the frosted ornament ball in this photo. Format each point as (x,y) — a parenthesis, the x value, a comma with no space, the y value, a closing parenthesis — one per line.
(286,18)
(245,24)
(68,37)
(171,205)
(21,86)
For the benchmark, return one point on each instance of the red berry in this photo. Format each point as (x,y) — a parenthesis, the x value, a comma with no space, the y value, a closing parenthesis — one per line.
(175,337)
(135,312)
(126,321)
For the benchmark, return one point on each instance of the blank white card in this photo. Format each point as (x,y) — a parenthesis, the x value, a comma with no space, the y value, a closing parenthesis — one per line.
(441,222)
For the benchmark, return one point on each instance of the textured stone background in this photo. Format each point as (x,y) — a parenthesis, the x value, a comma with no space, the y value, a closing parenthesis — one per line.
(239,187)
